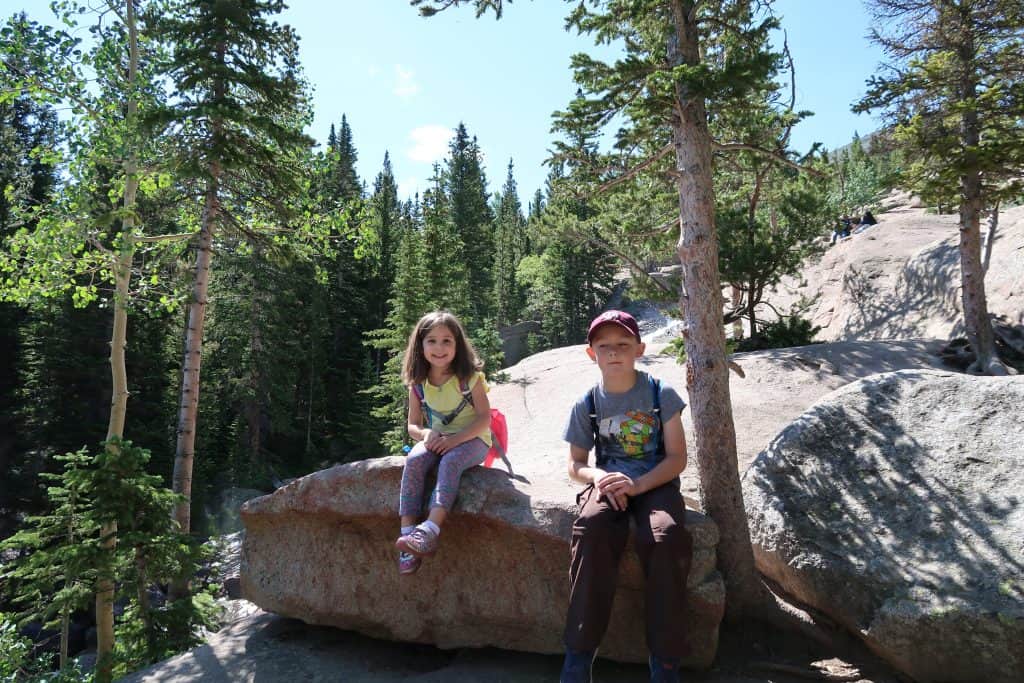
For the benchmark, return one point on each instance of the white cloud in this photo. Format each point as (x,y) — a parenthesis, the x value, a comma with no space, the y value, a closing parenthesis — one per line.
(429,143)
(405,85)
(407,187)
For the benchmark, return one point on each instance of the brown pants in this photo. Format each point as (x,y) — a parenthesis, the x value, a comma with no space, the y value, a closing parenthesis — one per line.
(665,550)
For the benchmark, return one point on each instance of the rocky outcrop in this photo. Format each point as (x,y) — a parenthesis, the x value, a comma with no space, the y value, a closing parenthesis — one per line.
(515,340)
(779,386)
(896,505)
(321,550)
(900,279)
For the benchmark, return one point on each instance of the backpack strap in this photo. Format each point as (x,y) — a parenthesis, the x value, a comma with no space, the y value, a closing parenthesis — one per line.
(592,412)
(425,413)
(446,418)
(656,401)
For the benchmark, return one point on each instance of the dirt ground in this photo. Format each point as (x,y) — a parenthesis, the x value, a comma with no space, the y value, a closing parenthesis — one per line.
(265,648)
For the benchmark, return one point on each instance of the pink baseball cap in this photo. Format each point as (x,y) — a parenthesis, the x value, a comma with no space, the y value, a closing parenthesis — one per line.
(620,318)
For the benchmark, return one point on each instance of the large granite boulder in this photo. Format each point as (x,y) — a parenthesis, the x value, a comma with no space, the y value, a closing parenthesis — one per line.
(896,505)
(321,549)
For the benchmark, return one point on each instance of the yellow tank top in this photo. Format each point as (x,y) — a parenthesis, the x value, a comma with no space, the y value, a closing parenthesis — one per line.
(446,398)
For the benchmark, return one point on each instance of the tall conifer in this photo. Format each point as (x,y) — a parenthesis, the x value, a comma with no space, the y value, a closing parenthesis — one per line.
(464,187)
(955,92)
(238,112)
(510,247)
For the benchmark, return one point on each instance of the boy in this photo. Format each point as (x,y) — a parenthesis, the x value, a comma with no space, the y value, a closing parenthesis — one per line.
(634,425)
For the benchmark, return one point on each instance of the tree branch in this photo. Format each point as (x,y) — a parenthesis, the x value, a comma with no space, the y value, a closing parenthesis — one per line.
(741,146)
(166,238)
(631,173)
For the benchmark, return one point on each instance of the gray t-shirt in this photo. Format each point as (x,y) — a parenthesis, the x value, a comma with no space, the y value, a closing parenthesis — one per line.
(627,424)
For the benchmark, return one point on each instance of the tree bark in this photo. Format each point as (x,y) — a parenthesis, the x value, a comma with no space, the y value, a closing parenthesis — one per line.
(701,305)
(737,325)
(976,319)
(990,238)
(188,406)
(188,403)
(254,404)
(118,343)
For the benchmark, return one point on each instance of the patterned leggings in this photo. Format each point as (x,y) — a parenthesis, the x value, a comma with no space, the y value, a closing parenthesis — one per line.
(450,467)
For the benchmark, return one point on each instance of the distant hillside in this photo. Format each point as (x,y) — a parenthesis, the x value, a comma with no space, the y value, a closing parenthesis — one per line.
(901,278)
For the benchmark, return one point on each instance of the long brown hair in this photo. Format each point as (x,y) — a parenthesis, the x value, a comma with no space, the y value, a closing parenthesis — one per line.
(415,365)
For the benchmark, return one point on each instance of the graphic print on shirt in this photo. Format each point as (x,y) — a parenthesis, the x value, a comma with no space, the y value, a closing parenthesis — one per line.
(633,431)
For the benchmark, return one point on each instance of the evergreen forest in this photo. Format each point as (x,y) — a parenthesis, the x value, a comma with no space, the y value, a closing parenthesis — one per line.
(198,298)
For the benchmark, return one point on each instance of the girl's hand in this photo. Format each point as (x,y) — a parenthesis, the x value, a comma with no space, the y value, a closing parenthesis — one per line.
(430,438)
(443,444)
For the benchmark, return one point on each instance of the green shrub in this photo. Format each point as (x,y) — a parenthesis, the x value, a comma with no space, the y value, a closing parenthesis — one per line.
(782,334)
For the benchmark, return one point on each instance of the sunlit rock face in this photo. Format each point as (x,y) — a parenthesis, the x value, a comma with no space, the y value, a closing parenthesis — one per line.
(321,549)
(896,506)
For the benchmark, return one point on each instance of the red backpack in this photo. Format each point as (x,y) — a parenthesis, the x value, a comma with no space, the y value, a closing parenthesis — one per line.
(499,426)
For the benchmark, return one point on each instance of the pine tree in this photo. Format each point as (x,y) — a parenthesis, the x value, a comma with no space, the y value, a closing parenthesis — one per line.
(510,247)
(381,237)
(85,232)
(28,136)
(238,110)
(464,187)
(448,274)
(348,367)
(343,182)
(956,97)
(409,300)
(768,212)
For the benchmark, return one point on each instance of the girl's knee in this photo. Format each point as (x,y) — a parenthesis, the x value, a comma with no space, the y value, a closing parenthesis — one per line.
(418,461)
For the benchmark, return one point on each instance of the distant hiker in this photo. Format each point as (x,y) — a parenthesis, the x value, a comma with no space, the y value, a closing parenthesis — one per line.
(866,221)
(841,229)
(632,421)
(449,417)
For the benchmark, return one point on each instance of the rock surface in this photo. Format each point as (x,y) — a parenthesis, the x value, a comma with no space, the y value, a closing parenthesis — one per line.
(321,550)
(265,648)
(896,505)
(779,385)
(900,279)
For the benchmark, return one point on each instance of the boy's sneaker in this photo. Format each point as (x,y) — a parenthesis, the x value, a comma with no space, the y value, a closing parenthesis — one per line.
(419,542)
(408,563)
(577,666)
(663,669)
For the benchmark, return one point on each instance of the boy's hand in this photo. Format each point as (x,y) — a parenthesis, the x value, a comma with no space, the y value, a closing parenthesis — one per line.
(617,488)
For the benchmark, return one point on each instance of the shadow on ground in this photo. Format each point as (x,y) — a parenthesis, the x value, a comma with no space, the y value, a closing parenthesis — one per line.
(266,648)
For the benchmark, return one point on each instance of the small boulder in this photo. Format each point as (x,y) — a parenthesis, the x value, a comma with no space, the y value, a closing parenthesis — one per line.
(896,506)
(322,550)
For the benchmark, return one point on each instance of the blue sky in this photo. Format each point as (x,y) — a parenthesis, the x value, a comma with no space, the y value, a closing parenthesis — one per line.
(405,82)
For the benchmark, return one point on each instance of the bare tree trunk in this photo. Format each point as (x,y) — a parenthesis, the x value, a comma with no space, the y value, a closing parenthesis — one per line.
(188,402)
(188,406)
(990,237)
(737,325)
(254,409)
(118,343)
(751,316)
(976,320)
(701,304)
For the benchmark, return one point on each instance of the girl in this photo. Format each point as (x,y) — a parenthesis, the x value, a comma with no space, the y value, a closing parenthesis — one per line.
(449,417)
